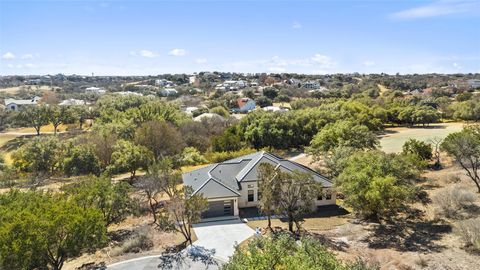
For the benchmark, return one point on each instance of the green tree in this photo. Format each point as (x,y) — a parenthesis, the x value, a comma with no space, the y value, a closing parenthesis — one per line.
(376,184)
(81,159)
(418,148)
(60,115)
(285,252)
(43,230)
(34,116)
(270,92)
(342,134)
(129,157)
(161,138)
(112,200)
(464,146)
(228,141)
(220,111)
(40,155)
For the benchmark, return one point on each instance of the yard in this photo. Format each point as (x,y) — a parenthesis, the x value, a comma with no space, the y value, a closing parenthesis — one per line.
(394,138)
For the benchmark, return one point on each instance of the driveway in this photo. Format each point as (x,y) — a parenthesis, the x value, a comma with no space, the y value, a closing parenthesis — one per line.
(220,237)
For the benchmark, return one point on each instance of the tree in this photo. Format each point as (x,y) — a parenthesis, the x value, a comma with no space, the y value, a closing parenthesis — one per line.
(81,159)
(183,210)
(268,188)
(161,138)
(376,184)
(129,157)
(34,116)
(40,155)
(103,145)
(270,92)
(464,146)
(263,101)
(160,178)
(228,141)
(418,148)
(112,200)
(59,115)
(220,111)
(43,230)
(286,252)
(297,191)
(342,134)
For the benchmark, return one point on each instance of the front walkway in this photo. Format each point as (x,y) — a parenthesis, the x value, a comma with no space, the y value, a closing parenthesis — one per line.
(220,237)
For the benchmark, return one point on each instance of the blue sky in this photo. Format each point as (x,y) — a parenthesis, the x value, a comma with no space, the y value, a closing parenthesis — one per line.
(314,37)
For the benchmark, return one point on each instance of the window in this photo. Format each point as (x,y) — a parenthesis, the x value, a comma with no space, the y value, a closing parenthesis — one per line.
(328,197)
(319,197)
(250,195)
(250,186)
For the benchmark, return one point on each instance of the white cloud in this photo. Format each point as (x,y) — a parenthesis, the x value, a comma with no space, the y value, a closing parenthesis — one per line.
(201,60)
(178,52)
(457,66)
(8,56)
(296,25)
(27,56)
(439,8)
(144,53)
(325,62)
(369,63)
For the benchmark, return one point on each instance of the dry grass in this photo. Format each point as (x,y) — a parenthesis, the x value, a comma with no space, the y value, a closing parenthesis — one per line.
(313,224)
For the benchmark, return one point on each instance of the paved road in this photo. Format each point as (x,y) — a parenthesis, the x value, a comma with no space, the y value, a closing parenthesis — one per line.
(221,236)
(178,261)
(215,244)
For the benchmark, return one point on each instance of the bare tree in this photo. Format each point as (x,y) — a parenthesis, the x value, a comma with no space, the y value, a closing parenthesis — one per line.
(268,190)
(436,142)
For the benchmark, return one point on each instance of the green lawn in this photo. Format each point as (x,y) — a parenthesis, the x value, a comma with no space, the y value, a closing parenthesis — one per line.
(394,138)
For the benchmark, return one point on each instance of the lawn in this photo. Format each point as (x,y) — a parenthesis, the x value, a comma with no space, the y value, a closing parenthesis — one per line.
(394,138)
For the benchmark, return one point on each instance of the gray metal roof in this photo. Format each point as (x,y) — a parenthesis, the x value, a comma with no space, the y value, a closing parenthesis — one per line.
(222,179)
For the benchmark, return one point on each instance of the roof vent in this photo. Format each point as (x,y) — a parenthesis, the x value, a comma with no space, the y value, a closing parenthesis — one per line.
(219,171)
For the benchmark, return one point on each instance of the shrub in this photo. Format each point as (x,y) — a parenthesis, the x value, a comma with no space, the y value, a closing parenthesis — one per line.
(449,201)
(139,241)
(215,157)
(469,230)
(191,156)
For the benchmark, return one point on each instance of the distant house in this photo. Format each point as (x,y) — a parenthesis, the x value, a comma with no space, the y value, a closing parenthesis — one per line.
(128,93)
(72,102)
(275,109)
(474,83)
(17,104)
(233,184)
(245,105)
(311,85)
(163,82)
(168,92)
(95,90)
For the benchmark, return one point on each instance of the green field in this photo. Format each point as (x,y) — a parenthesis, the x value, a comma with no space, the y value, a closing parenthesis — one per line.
(394,138)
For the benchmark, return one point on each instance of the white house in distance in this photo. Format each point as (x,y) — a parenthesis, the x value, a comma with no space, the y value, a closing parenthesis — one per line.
(233,184)
(168,92)
(474,83)
(17,104)
(95,90)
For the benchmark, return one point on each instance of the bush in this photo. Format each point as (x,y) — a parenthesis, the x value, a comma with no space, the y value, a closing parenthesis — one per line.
(191,156)
(139,241)
(215,157)
(449,201)
(469,230)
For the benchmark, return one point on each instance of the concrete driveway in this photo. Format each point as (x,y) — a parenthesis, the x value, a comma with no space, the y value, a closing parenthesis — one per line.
(220,237)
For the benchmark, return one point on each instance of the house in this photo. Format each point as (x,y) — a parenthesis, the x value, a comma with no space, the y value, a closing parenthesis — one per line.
(311,85)
(163,82)
(233,184)
(245,105)
(95,90)
(72,102)
(17,104)
(474,83)
(168,92)
(275,109)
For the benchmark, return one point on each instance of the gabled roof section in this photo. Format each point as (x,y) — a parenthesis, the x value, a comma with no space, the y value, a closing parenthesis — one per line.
(215,189)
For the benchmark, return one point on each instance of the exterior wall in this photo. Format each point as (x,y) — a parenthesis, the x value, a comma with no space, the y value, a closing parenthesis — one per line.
(324,201)
(235,203)
(243,199)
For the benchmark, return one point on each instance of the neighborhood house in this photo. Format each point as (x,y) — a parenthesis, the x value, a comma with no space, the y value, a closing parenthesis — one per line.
(245,105)
(233,184)
(17,104)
